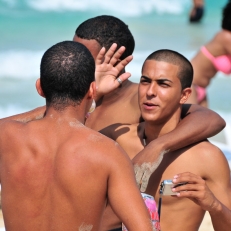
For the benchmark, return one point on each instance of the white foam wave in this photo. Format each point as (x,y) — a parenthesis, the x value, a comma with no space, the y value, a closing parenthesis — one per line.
(129,7)
(20,64)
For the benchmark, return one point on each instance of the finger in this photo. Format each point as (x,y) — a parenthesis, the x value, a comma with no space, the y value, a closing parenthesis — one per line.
(122,77)
(122,64)
(187,177)
(110,53)
(145,179)
(100,57)
(116,56)
(188,187)
(190,194)
(138,174)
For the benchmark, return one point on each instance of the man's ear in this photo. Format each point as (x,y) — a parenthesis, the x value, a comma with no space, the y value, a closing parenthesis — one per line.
(92,90)
(39,88)
(185,95)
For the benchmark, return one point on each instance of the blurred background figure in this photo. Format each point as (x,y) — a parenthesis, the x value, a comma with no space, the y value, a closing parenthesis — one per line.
(197,11)
(214,56)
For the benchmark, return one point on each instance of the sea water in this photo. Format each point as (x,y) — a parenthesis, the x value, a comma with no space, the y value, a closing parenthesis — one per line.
(29,27)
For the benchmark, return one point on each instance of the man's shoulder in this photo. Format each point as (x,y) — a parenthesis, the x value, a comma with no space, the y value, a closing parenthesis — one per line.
(10,126)
(204,147)
(201,149)
(206,154)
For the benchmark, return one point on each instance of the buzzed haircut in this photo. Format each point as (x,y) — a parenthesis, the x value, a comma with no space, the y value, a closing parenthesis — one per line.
(107,30)
(226,19)
(67,70)
(185,73)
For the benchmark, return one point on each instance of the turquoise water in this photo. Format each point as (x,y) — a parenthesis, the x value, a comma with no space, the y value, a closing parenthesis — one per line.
(29,27)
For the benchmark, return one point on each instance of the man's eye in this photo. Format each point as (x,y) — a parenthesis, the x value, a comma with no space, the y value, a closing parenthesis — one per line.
(144,81)
(163,84)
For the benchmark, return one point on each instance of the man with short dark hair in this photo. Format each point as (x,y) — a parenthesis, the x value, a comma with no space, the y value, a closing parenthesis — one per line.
(164,87)
(57,174)
(121,104)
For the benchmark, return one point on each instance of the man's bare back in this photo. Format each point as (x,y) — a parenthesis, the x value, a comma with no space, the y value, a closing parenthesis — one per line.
(40,170)
(57,174)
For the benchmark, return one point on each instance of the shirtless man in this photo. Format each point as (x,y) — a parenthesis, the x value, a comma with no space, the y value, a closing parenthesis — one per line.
(164,87)
(121,105)
(57,174)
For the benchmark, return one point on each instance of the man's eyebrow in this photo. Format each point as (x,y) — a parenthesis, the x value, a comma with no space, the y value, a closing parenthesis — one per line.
(164,80)
(158,80)
(144,77)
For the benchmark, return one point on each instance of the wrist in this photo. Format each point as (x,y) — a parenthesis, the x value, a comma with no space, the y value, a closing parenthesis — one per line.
(215,207)
(161,143)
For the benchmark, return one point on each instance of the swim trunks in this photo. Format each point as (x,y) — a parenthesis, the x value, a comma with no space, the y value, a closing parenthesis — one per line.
(221,63)
(201,93)
(153,211)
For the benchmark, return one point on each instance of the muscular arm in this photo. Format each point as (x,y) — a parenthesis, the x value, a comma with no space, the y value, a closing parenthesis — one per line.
(198,123)
(211,190)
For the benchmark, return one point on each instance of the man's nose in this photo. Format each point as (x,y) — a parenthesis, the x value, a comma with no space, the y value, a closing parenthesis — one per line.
(152,89)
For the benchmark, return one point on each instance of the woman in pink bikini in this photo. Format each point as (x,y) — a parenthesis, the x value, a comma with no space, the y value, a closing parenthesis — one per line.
(213,57)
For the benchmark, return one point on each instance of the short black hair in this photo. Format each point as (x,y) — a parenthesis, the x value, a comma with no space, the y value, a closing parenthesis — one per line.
(67,70)
(185,73)
(226,19)
(106,30)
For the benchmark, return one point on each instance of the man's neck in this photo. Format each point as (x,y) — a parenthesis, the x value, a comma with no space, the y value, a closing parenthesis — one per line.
(152,131)
(68,114)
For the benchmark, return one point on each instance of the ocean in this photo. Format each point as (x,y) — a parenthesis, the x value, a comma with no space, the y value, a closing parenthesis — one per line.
(29,27)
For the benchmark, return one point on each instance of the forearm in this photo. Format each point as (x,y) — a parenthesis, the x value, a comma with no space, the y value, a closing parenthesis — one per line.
(197,124)
(34,114)
(221,217)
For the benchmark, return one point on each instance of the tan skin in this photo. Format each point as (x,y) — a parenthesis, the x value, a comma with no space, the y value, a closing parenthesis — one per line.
(55,168)
(204,71)
(209,188)
(123,99)
(121,106)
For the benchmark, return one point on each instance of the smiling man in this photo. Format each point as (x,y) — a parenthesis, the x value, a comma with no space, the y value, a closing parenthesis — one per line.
(164,87)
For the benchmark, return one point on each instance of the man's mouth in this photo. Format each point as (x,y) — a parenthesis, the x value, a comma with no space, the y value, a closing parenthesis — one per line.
(149,105)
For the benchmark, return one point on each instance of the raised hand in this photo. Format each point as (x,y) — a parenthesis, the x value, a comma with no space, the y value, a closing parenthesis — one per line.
(108,68)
